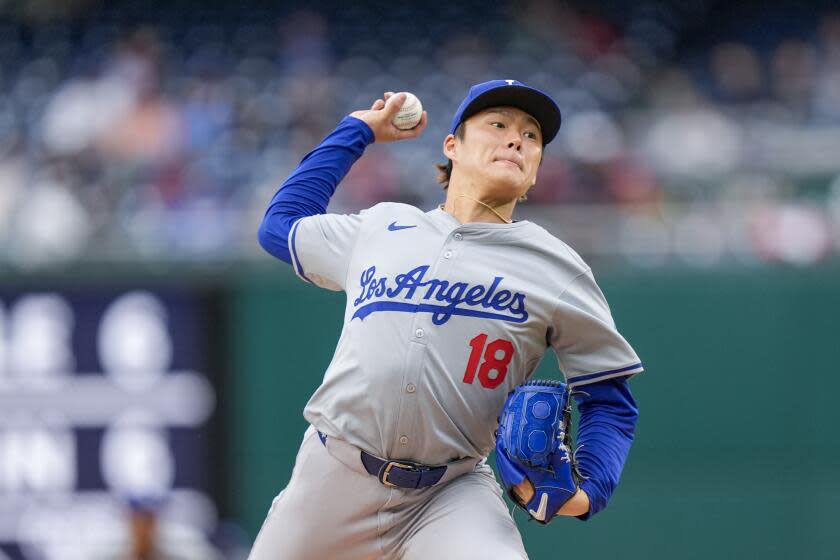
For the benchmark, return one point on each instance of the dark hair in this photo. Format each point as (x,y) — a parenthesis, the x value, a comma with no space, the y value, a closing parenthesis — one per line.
(445,170)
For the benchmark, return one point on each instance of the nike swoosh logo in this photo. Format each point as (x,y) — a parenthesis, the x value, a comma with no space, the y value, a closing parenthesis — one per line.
(394,227)
(539,515)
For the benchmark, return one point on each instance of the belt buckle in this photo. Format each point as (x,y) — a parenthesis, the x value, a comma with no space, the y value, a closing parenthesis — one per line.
(392,464)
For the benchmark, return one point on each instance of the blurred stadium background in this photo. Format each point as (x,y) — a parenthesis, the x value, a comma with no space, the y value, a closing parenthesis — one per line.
(153,359)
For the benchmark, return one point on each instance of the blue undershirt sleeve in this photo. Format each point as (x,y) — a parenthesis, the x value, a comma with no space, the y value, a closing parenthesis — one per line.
(607,423)
(308,189)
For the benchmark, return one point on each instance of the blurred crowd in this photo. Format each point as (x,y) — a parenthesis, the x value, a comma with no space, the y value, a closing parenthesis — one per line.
(159,131)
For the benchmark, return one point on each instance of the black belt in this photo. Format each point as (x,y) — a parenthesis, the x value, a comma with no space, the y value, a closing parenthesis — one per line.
(402,474)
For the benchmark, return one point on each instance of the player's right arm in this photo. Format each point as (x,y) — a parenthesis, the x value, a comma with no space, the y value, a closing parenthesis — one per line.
(308,189)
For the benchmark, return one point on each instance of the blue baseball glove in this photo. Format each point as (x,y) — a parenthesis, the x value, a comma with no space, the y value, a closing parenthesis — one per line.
(534,442)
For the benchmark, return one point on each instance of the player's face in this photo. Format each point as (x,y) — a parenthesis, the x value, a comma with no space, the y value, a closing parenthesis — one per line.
(500,152)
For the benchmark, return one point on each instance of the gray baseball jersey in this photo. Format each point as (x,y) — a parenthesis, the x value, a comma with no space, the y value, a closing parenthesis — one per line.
(442,320)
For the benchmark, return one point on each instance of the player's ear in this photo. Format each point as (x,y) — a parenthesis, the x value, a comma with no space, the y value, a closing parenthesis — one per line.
(449,147)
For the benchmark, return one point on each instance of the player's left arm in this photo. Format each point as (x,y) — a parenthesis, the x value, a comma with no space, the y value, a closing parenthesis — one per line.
(608,416)
(598,362)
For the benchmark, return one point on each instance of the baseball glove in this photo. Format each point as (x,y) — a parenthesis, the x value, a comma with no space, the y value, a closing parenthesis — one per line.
(534,442)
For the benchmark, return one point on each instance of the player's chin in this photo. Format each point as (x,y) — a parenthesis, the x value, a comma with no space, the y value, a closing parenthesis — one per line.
(500,196)
(507,185)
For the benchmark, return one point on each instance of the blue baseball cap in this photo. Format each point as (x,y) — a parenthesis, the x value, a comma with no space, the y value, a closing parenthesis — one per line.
(497,93)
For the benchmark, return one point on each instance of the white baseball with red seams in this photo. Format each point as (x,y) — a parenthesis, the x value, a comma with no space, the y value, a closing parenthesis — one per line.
(410,113)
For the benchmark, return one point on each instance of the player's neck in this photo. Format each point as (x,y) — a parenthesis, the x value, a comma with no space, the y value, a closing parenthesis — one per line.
(470,205)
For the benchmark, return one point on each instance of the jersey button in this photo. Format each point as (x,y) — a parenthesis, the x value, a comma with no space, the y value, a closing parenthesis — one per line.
(410,388)
(403,440)
(447,255)
(458,237)
(419,333)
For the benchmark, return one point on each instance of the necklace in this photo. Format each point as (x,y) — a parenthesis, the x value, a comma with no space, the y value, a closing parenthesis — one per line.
(505,220)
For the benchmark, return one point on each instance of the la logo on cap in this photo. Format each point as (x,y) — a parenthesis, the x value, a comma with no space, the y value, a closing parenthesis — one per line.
(510,82)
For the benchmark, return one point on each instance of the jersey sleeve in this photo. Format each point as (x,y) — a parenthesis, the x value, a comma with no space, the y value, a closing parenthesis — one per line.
(584,337)
(321,248)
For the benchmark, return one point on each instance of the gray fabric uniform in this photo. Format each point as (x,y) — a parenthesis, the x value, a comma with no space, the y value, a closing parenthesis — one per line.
(442,320)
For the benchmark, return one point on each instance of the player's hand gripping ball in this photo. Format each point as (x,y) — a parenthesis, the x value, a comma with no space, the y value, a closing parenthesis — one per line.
(533,442)
(410,113)
(385,121)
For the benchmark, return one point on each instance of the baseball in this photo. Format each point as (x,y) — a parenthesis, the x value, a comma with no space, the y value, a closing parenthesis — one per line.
(410,113)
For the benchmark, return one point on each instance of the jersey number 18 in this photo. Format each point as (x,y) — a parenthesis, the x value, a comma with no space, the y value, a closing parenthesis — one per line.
(497,356)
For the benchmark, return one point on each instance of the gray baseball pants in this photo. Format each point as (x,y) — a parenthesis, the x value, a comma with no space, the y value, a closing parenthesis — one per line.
(334,510)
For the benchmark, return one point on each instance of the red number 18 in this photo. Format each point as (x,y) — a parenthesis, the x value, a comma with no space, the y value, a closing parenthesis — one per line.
(492,361)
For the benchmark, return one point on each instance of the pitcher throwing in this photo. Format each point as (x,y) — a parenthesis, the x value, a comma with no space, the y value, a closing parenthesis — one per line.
(448,314)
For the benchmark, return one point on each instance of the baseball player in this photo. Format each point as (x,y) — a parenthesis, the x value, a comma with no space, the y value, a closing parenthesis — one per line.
(448,314)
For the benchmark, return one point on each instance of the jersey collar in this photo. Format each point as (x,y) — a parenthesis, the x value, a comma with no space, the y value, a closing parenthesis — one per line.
(447,219)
